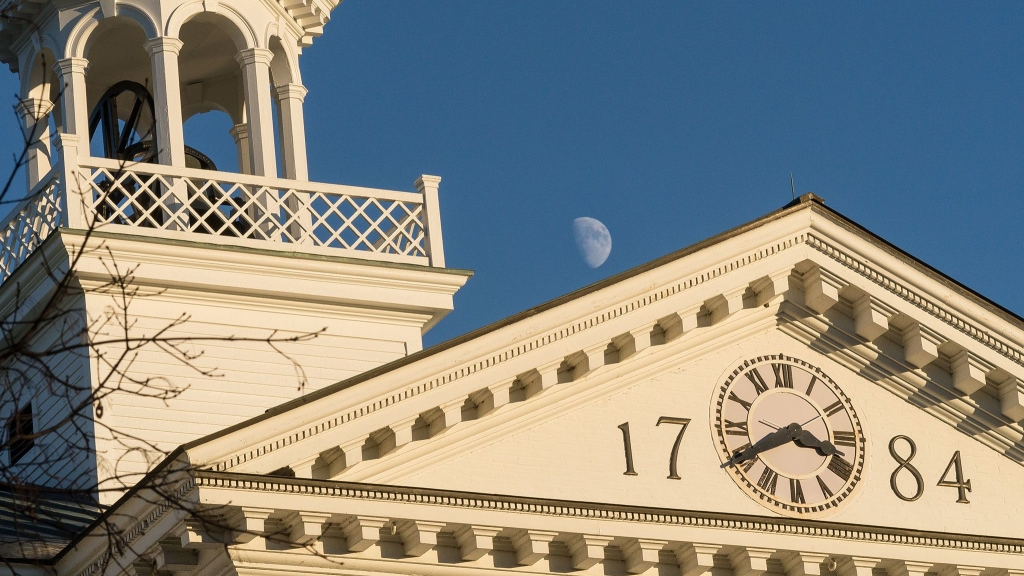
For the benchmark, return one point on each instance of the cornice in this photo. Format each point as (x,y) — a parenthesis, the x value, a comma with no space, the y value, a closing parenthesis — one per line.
(915,298)
(310,16)
(889,250)
(904,381)
(637,514)
(184,268)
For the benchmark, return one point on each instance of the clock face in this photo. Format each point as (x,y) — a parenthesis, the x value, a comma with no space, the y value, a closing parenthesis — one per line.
(788,435)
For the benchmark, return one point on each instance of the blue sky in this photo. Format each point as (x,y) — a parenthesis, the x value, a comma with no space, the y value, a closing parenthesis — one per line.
(669,122)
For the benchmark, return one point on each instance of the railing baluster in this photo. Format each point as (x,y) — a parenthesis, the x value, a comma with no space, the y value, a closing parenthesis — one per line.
(30,223)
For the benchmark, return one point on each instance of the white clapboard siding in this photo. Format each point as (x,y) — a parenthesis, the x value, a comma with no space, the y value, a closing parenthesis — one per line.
(250,377)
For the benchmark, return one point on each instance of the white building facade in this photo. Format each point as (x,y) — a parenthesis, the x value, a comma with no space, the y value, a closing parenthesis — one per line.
(792,397)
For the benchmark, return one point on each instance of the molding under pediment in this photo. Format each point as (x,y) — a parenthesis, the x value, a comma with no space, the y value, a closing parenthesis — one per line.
(603,511)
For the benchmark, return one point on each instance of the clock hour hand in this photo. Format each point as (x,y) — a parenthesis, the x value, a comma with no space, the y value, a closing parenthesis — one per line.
(775,439)
(823,447)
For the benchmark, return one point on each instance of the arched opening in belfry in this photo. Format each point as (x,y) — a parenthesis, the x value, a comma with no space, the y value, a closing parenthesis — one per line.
(119,84)
(39,108)
(212,104)
(211,131)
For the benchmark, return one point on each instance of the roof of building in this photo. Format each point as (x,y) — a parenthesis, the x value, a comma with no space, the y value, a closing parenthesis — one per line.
(36,523)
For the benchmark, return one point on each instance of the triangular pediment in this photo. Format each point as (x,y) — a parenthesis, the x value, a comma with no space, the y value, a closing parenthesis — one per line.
(535,406)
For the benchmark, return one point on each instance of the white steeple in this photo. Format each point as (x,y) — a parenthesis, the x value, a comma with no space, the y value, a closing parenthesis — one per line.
(106,86)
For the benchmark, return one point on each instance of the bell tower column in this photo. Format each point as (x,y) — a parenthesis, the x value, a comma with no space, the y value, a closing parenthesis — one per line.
(36,117)
(170,133)
(241,135)
(293,131)
(74,107)
(255,63)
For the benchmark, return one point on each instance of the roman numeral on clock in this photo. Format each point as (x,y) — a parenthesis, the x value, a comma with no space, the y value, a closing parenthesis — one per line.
(749,464)
(740,401)
(783,375)
(824,487)
(736,428)
(755,378)
(840,467)
(844,439)
(768,480)
(834,408)
(796,491)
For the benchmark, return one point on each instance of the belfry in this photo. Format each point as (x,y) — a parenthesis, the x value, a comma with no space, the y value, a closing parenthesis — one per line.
(344,277)
(216,373)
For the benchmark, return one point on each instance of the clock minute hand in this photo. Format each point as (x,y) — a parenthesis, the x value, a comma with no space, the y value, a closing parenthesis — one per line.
(809,440)
(777,438)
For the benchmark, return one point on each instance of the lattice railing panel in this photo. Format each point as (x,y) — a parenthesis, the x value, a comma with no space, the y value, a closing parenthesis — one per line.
(29,224)
(391,223)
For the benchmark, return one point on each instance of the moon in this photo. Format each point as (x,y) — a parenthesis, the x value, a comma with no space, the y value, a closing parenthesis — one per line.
(593,240)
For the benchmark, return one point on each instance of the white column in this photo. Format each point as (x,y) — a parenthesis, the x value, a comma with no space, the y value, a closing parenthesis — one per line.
(35,114)
(170,132)
(241,135)
(428,186)
(255,63)
(74,106)
(78,211)
(293,159)
(293,131)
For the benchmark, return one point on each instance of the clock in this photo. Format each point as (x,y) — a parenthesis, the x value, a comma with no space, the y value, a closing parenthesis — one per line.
(788,436)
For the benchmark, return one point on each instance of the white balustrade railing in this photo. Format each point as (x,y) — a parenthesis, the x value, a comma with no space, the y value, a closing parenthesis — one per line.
(30,222)
(226,208)
(362,221)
